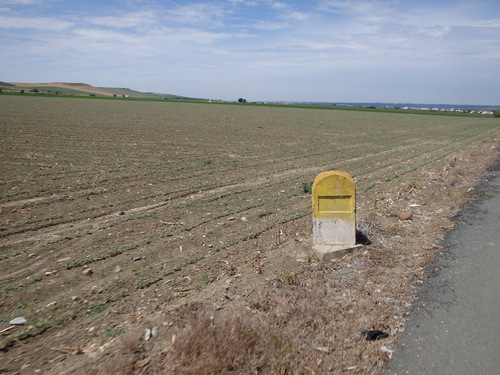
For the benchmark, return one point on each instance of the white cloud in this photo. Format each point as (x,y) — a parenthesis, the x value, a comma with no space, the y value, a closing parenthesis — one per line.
(268,25)
(39,23)
(362,7)
(279,5)
(244,2)
(297,16)
(136,19)
(99,35)
(20,2)
(196,15)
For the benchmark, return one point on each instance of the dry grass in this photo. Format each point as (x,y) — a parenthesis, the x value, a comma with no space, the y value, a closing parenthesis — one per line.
(311,328)
(308,324)
(229,345)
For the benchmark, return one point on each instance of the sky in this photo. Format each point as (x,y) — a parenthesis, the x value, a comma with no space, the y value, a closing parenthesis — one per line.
(398,51)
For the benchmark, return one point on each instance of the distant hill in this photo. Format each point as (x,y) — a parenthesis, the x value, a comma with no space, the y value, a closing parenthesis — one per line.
(84,89)
(138,94)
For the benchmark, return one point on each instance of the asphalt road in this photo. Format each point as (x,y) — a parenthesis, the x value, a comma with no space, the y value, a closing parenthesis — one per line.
(455,326)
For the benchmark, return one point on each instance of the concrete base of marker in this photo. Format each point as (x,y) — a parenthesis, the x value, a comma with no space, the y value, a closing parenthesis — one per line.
(327,253)
(330,231)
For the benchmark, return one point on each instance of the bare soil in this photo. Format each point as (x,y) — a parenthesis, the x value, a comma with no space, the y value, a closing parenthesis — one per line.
(119,270)
(305,316)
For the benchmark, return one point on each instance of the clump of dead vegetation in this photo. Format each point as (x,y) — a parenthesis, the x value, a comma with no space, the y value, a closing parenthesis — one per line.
(310,322)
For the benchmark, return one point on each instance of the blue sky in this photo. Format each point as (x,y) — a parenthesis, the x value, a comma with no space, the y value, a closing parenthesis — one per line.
(423,51)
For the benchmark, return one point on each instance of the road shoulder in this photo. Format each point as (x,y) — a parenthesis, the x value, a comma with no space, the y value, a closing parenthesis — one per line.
(454,327)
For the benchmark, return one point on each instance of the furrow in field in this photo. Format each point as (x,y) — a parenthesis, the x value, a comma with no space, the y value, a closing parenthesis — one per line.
(256,182)
(246,184)
(260,180)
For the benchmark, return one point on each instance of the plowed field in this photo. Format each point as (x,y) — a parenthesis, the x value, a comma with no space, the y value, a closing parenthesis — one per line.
(122,216)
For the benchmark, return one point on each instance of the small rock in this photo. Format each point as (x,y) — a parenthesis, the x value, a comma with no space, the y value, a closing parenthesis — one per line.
(95,290)
(118,269)
(387,351)
(135,259)
(244,218)
(406,215)
(87,271)
(323,349)
(147,336)
(19,321)
(67,259)
(154,332)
